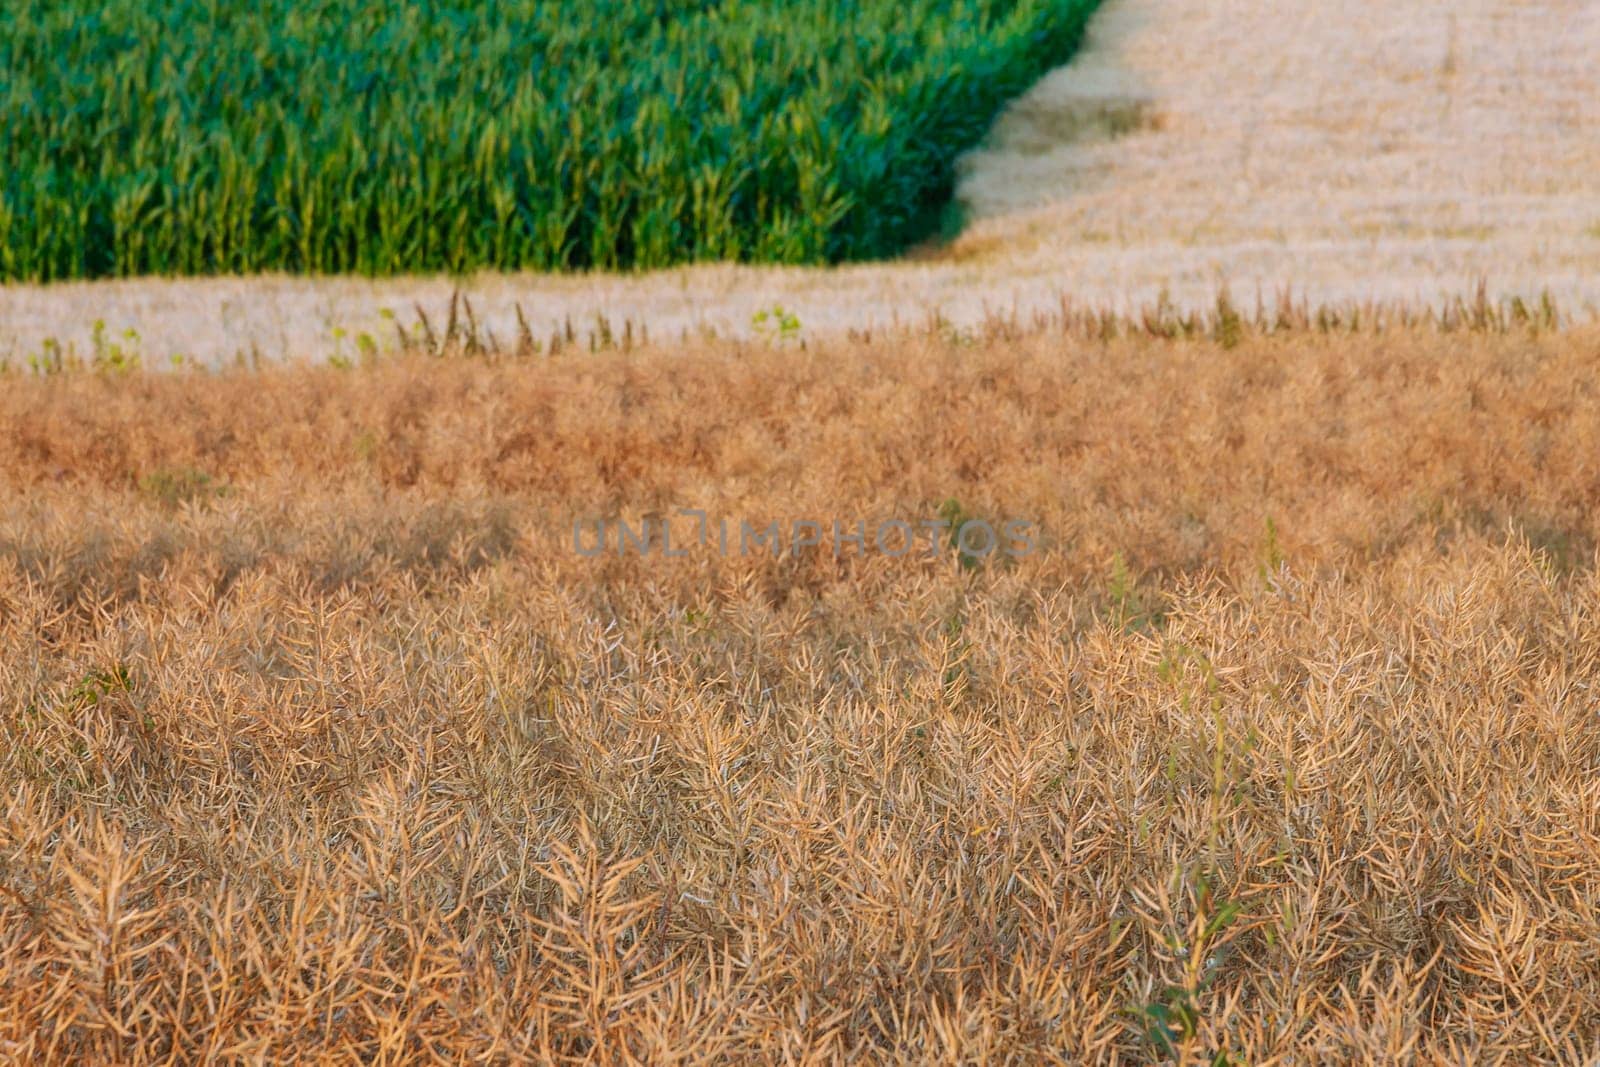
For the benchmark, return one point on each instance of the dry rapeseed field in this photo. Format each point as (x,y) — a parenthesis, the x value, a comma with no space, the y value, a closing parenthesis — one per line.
(321,741)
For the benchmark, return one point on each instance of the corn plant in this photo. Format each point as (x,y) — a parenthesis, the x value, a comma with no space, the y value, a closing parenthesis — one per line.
(337,136)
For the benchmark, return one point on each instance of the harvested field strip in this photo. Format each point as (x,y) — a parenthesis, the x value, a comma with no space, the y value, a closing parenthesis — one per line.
(1189,145)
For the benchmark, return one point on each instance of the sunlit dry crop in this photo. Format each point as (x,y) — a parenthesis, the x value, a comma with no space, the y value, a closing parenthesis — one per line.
(320,741)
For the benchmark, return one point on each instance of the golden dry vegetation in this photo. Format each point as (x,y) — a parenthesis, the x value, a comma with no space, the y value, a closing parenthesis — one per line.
(321,742)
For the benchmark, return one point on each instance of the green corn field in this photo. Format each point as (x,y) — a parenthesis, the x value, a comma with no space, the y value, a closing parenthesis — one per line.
(334,136)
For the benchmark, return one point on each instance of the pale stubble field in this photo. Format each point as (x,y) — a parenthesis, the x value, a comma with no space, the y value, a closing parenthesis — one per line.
(1349,152)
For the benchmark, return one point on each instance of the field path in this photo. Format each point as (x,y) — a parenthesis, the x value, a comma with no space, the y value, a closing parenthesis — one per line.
(1345,150)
